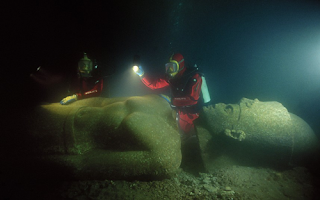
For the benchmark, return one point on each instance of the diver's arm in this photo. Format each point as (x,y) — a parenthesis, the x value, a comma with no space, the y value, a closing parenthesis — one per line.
(149,82)
(193,96)
(154,84)
(94,92)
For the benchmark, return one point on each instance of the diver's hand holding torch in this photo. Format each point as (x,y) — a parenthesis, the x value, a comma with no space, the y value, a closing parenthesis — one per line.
(138,70)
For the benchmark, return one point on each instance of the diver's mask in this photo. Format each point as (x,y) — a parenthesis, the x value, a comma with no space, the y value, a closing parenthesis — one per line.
(172,68)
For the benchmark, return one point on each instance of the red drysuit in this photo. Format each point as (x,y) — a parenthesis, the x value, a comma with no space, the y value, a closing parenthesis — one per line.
(88,87)
(185,89)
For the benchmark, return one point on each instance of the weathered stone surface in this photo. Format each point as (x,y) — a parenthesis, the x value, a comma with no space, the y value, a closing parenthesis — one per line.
(256,130)
(104,138)
(137,138)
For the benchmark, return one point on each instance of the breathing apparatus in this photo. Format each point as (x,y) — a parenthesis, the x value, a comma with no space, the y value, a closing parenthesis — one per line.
(175,65)
(204,89)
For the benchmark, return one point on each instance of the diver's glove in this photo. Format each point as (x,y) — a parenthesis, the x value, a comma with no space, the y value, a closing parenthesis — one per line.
(69,99)
(138,70)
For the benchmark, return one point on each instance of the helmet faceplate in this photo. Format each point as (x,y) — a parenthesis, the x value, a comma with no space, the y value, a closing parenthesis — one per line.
(85,66)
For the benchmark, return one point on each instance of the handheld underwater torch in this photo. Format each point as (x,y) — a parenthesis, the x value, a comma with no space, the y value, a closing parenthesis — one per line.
(135,68)
(136,65)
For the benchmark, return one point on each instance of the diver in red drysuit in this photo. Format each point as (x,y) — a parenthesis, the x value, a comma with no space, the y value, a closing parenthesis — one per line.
(87,84)
(185,86)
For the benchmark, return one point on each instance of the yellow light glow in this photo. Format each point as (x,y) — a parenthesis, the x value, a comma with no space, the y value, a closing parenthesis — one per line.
(135,68)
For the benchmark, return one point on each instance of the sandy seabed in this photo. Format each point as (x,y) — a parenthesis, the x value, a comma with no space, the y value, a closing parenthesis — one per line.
(228,182)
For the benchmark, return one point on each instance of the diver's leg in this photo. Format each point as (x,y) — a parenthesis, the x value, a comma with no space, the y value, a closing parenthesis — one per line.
(190,148)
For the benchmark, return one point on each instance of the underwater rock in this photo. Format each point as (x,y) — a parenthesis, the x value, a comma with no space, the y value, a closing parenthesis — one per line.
(254,130)
(104,138)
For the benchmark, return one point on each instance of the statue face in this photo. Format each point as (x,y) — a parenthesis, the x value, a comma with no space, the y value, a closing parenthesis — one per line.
(265,130)
(221,116)
(227,110)
(249,116)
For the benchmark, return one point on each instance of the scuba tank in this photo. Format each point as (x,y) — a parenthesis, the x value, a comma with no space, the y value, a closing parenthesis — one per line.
(205,91)
(204,98)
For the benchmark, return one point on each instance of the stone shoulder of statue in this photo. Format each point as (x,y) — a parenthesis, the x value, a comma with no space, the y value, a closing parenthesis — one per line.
(99,138)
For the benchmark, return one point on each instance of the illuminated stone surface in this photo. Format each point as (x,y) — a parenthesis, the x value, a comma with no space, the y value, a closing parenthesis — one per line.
(137,138)
(104,138)
(255,131)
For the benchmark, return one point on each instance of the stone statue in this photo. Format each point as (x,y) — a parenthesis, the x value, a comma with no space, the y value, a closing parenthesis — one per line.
(104,138)
(255,131)
(137,138)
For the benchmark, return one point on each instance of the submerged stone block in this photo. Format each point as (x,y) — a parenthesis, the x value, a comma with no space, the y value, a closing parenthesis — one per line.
(257,131)
(104,138)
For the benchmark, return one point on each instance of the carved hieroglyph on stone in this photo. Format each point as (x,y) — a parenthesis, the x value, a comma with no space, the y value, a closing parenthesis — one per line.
(104,138)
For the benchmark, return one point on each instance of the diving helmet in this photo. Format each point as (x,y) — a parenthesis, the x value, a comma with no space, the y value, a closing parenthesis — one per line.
(85,66)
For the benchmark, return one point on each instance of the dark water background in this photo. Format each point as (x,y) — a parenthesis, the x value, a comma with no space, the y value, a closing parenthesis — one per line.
(263,49)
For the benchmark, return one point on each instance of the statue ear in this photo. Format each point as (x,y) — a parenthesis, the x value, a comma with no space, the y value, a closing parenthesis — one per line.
(235,134)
